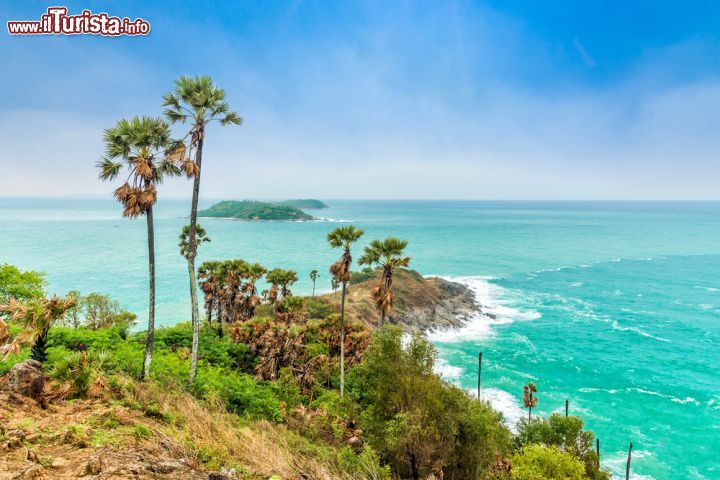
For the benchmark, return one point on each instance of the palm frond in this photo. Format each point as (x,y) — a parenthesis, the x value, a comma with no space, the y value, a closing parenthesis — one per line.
(108,169)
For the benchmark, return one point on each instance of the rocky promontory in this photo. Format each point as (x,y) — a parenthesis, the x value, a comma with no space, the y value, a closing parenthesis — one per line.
(420,303)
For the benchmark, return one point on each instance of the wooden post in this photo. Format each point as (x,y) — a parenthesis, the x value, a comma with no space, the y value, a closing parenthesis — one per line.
(627,468)
(479,372)
(597,450)
(566,408)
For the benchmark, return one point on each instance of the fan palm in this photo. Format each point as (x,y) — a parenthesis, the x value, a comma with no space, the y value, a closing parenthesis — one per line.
(313,277)
(208,275)
(289,277)
(343,237)
(250,299)
(140,144)
(388,254)
(36,316)
(280,281)
(200,102)
(273,277)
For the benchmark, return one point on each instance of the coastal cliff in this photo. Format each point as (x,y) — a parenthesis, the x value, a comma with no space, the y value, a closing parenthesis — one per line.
(420,303)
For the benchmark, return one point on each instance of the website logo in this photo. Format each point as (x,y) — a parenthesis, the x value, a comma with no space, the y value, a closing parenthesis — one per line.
(56,21)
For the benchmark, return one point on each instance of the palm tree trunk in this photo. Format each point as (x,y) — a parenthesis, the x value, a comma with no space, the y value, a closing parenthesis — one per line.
(313,289)
(149,342)
(342,341)
(195,320)
(38,351)
(192,252)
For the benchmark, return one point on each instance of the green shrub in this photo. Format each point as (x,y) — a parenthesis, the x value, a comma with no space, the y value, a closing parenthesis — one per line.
(84,338)
(240,392)
(567,434)
(416,420)
(290,305)
(536,462)
(141,431)
(318,308)
(80,369)
(364,465)
(20,285)
(367,273)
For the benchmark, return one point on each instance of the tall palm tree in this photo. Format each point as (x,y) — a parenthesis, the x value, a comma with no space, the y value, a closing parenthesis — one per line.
(36,317)
(200,237)
(199,101)
(314,277)
(141,145)
(343,237)
(387,254)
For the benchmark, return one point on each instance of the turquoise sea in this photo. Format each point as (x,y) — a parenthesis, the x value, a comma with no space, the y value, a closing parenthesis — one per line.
(613,306)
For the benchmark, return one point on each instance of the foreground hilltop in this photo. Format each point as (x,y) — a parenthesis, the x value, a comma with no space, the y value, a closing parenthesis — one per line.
(420,303)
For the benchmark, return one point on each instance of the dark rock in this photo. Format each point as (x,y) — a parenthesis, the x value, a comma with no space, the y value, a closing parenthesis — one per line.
(26,379)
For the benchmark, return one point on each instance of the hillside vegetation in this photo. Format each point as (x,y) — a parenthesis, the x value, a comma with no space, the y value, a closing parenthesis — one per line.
(266,401)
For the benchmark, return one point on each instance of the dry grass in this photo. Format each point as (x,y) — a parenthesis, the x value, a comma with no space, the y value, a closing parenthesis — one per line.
(220,439)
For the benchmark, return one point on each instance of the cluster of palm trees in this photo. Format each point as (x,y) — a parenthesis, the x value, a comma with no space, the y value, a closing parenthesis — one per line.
(230,290)
(145,148)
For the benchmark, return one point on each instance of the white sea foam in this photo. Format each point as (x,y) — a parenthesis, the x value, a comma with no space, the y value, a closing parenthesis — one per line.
(447,371)
(495,307)
(619,328)
(332,220)
(617,461)
(505,403)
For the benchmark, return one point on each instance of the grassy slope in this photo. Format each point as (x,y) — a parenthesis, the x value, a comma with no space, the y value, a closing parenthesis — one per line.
(149,431)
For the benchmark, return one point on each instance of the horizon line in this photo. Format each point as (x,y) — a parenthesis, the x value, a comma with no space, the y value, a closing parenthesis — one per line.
(89,196)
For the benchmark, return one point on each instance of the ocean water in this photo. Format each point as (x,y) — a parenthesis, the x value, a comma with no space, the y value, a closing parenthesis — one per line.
(612,306)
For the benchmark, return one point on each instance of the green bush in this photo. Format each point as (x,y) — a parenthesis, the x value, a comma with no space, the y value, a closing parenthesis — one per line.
(318,308)
(567,434)
(422,422)
(240,393)
(20,285)
(367,273)
(536,462)
(364,465)
(79,339)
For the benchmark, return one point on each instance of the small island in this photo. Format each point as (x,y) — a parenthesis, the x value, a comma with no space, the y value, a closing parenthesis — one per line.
(309,203)
(253,210)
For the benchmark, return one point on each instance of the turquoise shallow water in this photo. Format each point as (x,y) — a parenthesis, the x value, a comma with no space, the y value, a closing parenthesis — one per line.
(613,306)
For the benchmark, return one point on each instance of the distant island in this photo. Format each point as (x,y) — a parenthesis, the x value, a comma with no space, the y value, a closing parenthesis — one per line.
(253,210)
(309,203)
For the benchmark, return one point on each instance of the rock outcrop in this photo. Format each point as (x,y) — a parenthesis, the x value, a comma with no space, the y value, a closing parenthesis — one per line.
(420,304)
(26,379)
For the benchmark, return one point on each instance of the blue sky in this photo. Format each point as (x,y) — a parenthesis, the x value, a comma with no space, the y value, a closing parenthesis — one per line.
(381,99)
